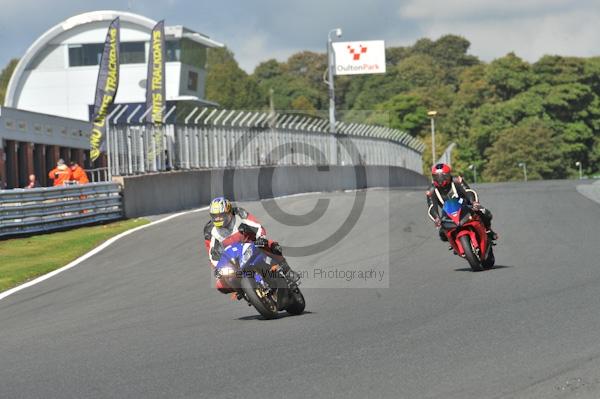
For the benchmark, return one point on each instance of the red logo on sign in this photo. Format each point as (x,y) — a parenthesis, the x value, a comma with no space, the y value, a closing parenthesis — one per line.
(356,54)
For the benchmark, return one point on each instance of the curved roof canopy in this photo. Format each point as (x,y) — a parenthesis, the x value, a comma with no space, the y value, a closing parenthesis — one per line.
(89,18)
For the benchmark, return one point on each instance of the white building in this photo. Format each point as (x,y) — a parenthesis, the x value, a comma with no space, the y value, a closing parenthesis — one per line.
(58,73)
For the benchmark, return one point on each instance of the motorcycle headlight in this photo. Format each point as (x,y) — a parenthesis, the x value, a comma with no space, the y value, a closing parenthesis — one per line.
(226,271)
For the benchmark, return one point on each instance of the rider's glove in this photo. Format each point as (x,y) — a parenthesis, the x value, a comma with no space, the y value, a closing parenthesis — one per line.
(245,229)
(437,222)
(276,248)
(261,242)
(476,206)
(217,273)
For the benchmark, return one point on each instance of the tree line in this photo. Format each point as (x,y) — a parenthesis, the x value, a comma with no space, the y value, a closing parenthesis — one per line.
(502,113)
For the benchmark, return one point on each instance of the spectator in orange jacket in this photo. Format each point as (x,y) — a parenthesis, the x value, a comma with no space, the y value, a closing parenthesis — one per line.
(79,174)
(61,174)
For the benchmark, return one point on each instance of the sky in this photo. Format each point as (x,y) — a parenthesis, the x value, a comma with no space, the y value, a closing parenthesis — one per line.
(258,30)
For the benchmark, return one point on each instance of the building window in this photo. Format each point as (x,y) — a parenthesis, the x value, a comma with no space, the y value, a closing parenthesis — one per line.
(173,51)
(133,53)
(193,54)
(85,54)
(90,54)
(192,81)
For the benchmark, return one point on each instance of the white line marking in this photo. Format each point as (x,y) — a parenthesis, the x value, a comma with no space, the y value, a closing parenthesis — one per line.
(292,195)
(92,253)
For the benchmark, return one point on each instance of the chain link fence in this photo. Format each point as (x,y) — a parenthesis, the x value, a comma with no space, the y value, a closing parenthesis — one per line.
(215,138)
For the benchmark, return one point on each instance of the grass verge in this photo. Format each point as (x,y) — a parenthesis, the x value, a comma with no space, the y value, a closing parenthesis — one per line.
(23,259)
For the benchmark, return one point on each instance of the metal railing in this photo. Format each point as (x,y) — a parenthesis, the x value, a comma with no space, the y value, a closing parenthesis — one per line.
(214,138)
(25,211)
(97,175)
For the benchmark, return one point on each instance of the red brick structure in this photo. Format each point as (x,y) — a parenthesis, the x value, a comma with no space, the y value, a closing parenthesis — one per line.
(2,168)
(31,143)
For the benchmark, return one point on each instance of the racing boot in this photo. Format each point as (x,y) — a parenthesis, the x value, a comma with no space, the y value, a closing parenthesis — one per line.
(289,274)
(492,235)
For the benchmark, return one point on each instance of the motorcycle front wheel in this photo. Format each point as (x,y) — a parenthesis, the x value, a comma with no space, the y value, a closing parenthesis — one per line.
(465,242)
(261,300)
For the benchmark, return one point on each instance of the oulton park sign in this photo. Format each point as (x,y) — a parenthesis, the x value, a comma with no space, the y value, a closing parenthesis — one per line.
(355,58)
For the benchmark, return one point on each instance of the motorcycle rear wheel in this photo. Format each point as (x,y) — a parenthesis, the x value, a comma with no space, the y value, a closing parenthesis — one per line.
(265,305)
(474,262)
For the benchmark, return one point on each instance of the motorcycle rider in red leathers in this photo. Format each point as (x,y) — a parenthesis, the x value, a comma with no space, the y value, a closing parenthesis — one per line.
(445,186)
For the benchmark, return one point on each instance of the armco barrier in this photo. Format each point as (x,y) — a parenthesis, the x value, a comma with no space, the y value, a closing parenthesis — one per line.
(174,191)
(25,211)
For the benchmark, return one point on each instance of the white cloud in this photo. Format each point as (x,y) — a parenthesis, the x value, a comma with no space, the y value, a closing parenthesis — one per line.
(252,49)
(469,9)
(573,33)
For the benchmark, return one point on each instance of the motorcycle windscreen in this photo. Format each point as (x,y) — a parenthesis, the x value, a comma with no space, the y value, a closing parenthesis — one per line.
(229,254)
(452,206)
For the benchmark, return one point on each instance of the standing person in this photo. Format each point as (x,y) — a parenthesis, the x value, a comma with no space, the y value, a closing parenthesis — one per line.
(33,183)
(78,173)
(61,174)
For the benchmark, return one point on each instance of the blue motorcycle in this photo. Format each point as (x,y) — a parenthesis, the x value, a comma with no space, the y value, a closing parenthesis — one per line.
(257,277)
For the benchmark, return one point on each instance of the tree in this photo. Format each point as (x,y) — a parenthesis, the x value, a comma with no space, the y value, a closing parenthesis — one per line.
(554,69)
(267,70)
(5,76)
(509,75)
(406,113)
(420,71)
(532,142)
(566,101)
(228,85)
(303,104)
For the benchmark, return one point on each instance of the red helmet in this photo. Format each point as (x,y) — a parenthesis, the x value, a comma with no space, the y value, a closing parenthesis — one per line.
(441,175)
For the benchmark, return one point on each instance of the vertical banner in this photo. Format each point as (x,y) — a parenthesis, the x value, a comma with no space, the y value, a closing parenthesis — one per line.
(106,88)
(155,81)
(155,95)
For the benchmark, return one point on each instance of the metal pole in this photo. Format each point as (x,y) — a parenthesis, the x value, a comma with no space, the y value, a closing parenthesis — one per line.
(433,141)
(108,150)
(331,66)
(524,166)
(331,85)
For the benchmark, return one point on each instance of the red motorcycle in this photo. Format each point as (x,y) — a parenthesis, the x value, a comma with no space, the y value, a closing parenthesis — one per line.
(467,234)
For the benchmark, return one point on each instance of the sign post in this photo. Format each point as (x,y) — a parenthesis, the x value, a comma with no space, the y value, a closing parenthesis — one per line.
(351,58)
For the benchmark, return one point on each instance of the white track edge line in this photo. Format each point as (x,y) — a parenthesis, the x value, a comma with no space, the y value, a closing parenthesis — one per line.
(91,253)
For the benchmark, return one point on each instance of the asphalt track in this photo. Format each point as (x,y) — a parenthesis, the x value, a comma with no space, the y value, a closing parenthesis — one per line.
(141,319)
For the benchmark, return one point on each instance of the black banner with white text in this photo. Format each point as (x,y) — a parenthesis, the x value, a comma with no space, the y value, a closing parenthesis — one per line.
(155,82)
(106,89)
